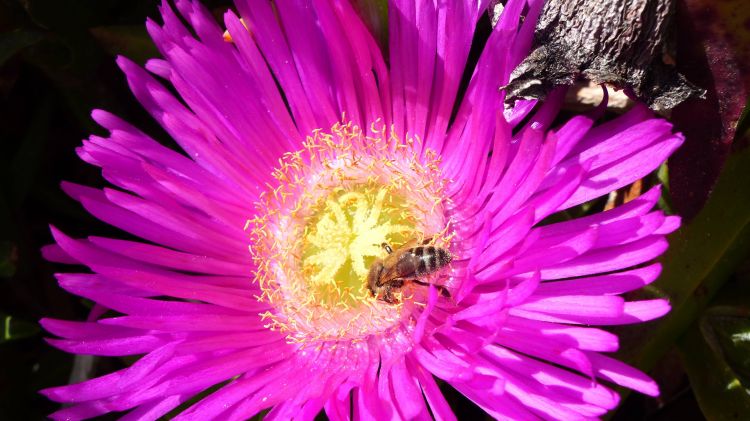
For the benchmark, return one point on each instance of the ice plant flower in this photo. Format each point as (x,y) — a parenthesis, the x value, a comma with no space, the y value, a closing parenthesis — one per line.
(304,144)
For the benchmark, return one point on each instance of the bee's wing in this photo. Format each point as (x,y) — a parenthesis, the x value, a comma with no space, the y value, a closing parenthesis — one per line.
(399,264)
(409,244)
(390,264)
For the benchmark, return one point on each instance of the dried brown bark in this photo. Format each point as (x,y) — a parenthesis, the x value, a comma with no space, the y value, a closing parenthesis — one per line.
(625,43)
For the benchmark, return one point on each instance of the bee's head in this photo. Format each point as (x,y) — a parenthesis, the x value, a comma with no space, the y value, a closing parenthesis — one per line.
(376,270)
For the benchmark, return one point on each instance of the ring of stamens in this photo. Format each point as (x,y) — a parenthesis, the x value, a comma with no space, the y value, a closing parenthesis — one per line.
(318,231)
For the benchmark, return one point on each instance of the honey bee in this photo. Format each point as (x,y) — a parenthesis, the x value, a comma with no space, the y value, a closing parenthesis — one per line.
(406,264)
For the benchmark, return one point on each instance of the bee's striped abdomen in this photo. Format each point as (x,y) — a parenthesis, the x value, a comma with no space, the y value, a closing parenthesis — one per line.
(430,259)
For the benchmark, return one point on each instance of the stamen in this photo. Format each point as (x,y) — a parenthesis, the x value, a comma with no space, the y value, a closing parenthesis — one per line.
(227,37)
(320,229)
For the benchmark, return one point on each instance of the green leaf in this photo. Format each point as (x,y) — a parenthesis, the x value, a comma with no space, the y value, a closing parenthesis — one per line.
(131,41)
(717,389)
(62,16)
(375,15)
(8,259)
(733,336)
(702,256)
(665,201)
(716,355)
(15,41)
(26,161)
(743,126)
(14,328)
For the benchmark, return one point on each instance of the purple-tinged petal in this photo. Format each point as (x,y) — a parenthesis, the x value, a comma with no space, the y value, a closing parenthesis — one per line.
(623,374)
(583,306)
(194,344)
(625,171)
(170,259)
(193,323)
(443,364)
(217,403)
(282,74)
(632,312)
(438,405)
(569,249)
(55,253)
(513,231)
(189,287)
(590,339)
(608,259)
(86,330)
(610,284)
(429,46)
(338,407)
(576,387)
(102,387)
(78,412)
(155,410)
(110,347)
(406,394)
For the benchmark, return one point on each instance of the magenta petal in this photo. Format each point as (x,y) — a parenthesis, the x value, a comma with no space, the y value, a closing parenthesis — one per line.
(228,341)
(78,412)
(585,305)
(615,283)
(121,380)
(110,347)
(206,373)
(569,336)
(188,287)
(197,323)
(337,407)
(55,253)
(576,388)
(608,259)
(624,171)
(632,312)
(539,403)
(498,406)
(170,258)
(565,252)
(447,367)
(511,233)
(406,393)
(155,410)
(557,352)
(438,405)
(515,334)
(85,330)
(623,374)
(218,402)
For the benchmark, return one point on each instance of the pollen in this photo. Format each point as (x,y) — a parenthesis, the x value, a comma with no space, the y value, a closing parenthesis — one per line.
(318,230)
(345,238)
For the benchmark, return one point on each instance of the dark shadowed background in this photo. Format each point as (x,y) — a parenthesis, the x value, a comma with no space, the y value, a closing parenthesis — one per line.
(56,65)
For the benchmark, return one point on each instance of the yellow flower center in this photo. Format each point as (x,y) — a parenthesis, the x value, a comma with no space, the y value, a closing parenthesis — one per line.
(345,236)
(318,232)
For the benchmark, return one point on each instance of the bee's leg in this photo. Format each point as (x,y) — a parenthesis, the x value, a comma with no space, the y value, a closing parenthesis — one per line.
(388,295)
(387,248)
(389,287)
(441,289)
(427,241)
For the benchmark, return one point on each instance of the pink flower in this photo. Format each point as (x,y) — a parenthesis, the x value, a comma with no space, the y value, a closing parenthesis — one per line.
(307,146)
